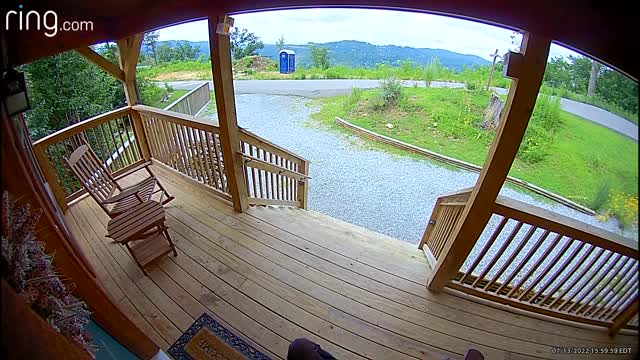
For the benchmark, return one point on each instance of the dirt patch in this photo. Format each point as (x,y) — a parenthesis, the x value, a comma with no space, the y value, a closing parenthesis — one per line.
(181,75)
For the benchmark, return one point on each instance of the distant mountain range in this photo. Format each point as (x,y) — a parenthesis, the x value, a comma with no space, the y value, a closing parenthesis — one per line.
(362,54)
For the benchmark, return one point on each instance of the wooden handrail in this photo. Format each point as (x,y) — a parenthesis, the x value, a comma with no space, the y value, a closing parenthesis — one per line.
(81,126)
(567,226)
(254,162)
(178,118)
(249,137)
(192,109)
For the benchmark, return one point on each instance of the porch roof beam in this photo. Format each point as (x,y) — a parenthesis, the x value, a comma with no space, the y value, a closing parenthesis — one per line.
(104,64)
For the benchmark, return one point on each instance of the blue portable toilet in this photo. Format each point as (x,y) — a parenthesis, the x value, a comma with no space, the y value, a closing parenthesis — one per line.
(287,61)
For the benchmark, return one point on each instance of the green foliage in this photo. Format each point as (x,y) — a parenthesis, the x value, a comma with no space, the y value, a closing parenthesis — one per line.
(65,89)
(244,43)
(319,57)
(541,130)
(391,91)
(432,71)
(182,51)
(602,195)
(614,92)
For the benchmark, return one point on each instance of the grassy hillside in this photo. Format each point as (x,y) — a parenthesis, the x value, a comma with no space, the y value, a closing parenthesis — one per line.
(579,159)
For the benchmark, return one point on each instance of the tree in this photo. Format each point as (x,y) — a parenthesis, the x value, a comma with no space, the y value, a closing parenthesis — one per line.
(595,68)
(166,53)
(319,57)
(280,43)
(150,40)
(185,51)
(244,43)
(66,88)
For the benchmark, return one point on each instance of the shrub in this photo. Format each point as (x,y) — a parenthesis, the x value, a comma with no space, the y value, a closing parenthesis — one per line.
(543,124)
(623,207)
(602,195)
(353,98)
(391,91)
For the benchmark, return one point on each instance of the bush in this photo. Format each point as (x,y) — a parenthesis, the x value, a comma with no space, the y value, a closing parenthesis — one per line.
(543,124)
(602,195)
(391,91)
(623,207)
(352,99)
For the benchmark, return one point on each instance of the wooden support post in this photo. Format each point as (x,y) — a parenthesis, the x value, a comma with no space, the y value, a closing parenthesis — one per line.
(50,175)
(625,316)
(129,51)
(303,185)
(520,103)
(220,48)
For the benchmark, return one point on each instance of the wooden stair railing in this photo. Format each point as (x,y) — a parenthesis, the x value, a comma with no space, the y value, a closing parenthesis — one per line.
(273,175)
(192,146)
(536,260)
(446,213)
(192,102)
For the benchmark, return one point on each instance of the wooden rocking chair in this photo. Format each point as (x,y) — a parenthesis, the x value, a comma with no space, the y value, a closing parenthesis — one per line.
(98,181)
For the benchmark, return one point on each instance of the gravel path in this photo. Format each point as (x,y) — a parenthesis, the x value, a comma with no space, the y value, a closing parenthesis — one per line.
(386,193)
(318,88)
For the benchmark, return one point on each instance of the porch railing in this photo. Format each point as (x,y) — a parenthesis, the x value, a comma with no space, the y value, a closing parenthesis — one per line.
(273,175)
(540,261)
(111,135)
(192,102)
(184,143)
(187,144)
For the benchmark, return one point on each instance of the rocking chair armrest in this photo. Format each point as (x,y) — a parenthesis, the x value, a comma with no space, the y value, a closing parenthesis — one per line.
(130,191)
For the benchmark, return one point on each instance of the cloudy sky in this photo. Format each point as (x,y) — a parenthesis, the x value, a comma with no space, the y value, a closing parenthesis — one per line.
(379,27)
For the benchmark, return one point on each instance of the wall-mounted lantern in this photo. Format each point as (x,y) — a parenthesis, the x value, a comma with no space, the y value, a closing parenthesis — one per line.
(14,92)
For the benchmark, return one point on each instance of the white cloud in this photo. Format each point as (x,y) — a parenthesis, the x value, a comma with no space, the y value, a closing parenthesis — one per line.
(380,27)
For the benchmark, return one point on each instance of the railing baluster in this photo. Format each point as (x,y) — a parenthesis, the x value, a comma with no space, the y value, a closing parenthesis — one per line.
(498,253)
(577,279)
(561,268)
(486,247)
(512,257)
(547,267)
(585,280)
(611,273)
(115,145)
(253,175)
(535,266)
(622,280)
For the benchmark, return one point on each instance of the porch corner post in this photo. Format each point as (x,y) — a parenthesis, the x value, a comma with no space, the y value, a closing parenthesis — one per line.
(128,53)
(527,70)
(220,48)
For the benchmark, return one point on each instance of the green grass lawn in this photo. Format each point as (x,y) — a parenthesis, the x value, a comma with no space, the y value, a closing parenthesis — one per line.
(579,157)
(173,96)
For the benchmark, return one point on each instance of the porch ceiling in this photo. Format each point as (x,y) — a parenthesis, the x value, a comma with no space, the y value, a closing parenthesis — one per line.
(599,29)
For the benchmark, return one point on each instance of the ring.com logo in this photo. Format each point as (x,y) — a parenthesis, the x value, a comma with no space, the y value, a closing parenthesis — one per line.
(48,22)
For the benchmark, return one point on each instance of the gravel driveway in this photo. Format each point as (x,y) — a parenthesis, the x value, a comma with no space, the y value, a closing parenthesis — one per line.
(386,193)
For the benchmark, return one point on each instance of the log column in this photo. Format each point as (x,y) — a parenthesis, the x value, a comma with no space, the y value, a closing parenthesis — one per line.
(220,48)
(526,69)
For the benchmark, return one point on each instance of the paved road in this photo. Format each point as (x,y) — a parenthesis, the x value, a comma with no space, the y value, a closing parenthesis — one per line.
(319,88)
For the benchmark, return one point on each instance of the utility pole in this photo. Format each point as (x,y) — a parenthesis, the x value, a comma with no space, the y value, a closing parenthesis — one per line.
(493,65)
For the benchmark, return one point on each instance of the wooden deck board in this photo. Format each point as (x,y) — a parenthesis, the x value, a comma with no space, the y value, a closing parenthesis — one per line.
(274,274)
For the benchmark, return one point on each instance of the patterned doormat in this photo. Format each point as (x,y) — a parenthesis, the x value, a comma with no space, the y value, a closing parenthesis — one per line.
(206,339)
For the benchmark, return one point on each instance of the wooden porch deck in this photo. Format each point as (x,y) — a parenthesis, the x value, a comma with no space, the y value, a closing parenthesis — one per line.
(271,275)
